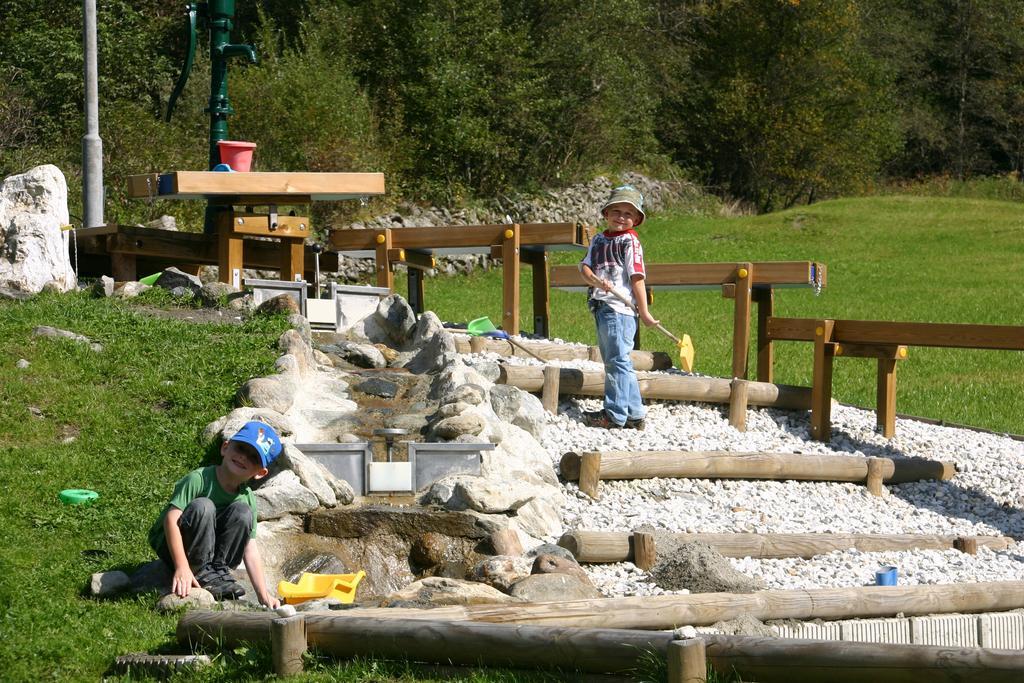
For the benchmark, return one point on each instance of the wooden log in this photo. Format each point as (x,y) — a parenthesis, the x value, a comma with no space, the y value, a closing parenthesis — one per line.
(966,544)
(549,394)
(478,345)
(876,473)
(783,660)
(614,650)
(506,542)
(738,404)
(288,644)
(590,474)
(642,360)
(687,661)
(659,386)
(726,465)
(615,546)
(429,640)
(644,552)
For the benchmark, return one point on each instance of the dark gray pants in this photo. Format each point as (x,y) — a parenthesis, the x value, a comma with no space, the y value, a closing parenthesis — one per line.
(211,536)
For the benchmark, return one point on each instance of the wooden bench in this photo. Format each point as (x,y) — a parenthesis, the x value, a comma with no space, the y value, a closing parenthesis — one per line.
(743,282)
(885,341)
(226,191)
(513,243)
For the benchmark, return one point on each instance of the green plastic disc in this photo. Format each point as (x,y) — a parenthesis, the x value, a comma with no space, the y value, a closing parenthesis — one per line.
(78,496)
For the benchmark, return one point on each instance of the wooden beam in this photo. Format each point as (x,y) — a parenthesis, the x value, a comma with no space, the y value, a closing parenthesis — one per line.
(292,258)
(683,275)
(777,466)
(659,611)
(946,335)
(260,224)
(885,396)
(282,186)
(658,386)
(230,260)
(461,236)
(598,547)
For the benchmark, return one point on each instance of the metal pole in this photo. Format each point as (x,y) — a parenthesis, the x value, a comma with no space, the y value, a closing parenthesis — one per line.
(92,145)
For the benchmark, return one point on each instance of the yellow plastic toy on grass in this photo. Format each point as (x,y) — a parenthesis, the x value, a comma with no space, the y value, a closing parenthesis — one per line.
(314,586)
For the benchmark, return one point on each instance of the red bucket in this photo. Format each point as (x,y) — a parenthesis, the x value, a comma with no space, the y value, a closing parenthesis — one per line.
(236,154)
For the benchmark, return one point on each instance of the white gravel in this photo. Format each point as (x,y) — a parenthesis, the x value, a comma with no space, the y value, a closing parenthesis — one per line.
(986,497)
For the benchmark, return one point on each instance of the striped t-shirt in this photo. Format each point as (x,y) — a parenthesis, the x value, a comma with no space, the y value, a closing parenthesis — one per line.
(616,257)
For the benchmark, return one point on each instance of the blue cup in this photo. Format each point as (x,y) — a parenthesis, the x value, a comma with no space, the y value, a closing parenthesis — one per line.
(886,576)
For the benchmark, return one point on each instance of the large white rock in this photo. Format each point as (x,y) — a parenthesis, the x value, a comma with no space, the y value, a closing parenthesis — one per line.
(33,249)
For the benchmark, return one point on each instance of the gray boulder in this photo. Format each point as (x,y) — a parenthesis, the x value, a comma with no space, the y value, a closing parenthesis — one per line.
(172,278)
(552,588)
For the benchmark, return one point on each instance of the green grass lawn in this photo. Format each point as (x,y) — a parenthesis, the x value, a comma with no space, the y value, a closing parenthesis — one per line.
(889,258)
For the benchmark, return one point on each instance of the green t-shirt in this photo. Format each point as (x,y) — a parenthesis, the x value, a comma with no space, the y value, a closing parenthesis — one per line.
(201,483)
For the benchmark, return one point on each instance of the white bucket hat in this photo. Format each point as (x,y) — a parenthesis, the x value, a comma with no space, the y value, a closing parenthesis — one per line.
(627,194)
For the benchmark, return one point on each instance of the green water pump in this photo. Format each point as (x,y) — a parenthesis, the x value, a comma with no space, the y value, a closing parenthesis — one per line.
(219,16)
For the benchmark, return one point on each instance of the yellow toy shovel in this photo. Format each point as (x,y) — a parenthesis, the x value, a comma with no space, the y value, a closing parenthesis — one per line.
(685,345)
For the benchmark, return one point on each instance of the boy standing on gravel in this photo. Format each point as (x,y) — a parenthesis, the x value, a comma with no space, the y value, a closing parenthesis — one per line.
(614,269)
(209,524)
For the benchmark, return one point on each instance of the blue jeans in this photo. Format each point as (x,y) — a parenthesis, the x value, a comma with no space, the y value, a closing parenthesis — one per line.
(615,333)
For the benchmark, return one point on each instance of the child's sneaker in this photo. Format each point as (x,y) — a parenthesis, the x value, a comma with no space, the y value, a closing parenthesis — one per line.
(636,423)
(217,579)
(599,419)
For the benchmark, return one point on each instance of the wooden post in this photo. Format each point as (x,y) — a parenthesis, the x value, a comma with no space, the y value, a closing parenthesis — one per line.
(385,278)
(229,251)
(549,395)
(966,544)
(821,389)
(741,320)
(477,345)
(293,258)
(644,550)
(594,354)
(510,280)
(738,404)
(875,474)
(687,661)
(538,261)
(288,644)
(590,474)
(765,349)
(414,278)
(506,542)
(885,401)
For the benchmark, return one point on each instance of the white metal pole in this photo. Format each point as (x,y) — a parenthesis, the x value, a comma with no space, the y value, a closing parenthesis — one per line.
(92,145)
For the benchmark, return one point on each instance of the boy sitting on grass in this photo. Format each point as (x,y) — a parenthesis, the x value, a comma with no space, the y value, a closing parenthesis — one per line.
(209,525)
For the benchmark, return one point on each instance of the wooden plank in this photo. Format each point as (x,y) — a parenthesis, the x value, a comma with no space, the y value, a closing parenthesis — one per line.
(230,261)
(280,186)
(596,547)
(880,351)
(145,185)
(510,279)
(259,224)
(945,335)
(669,275)
(459,236)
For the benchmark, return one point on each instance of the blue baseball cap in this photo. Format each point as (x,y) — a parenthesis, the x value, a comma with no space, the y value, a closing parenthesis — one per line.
(262,437)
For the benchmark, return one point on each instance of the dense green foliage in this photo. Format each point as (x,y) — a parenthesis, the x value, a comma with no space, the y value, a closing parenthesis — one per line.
(775,102)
